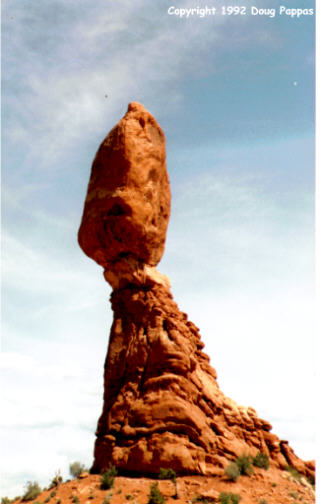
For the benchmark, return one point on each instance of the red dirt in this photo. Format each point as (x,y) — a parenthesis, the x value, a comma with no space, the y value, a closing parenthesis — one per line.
(272,486)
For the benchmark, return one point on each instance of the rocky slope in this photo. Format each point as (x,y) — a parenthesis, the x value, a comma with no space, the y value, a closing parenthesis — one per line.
(162,403)
(263,487)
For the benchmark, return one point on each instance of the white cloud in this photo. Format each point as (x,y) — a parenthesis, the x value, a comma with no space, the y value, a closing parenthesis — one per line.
(42,452)
(25,267)
(50,406)
(63,82)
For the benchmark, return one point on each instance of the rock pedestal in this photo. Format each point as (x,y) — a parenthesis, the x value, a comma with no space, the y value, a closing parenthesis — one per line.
(162,403)
(127,206)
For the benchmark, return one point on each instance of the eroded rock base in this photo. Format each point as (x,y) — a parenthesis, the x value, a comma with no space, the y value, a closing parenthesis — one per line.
(162,403)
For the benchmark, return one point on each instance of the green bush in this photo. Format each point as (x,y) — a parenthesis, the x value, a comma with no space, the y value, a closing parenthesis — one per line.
(171,475)
(76,500)
(244,462)
(107,478)
(203,500)
(229,498)
(311,480)
(294,473)
(76,468)
(155,496)
(261,460)
(167,474)
(56,480)
(32,491)
(6,500)
(232,471)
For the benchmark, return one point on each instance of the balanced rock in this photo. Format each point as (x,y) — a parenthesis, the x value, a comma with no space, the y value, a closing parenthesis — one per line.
(127,206)
(162,403)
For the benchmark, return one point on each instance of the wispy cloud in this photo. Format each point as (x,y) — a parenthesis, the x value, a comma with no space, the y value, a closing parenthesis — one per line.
(66,68)
(48,427)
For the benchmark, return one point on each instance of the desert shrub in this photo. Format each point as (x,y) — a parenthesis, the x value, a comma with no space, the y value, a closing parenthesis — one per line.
(47,499)
(261,460)
(311,480)
(6,500)
(167,474)
(56,480)
(202,499)
(155,496)
(53,494)
(76,468)
(32,491)
(129,497)
(75,500)
(244,462)
(107,478)
(229,498)
(106,500)
(232,471)
(263,501)
(170,474)
(294,473)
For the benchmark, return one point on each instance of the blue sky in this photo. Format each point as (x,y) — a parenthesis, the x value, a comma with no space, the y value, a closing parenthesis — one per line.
(235,97)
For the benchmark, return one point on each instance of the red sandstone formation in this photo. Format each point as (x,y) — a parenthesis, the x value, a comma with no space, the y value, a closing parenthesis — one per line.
(162,403)
(127,206)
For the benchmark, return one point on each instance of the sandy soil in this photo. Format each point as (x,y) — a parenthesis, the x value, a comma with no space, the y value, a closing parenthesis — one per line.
(271,486)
